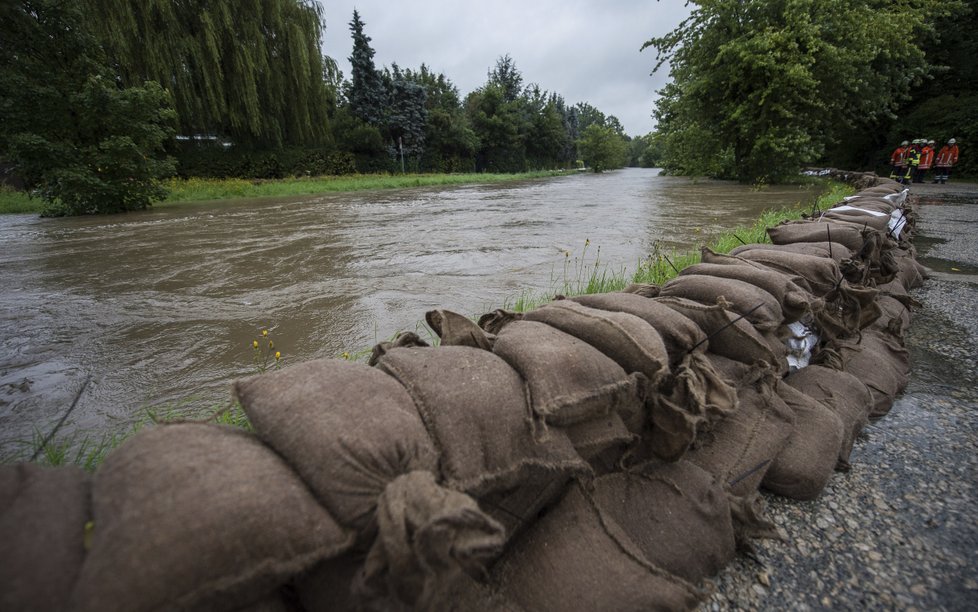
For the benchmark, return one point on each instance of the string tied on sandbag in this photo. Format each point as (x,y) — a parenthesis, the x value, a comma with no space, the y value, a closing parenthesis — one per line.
(427,538)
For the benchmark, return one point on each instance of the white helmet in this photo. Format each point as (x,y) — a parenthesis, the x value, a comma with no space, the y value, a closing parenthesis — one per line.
(952,141)
(904,143)
(931,142)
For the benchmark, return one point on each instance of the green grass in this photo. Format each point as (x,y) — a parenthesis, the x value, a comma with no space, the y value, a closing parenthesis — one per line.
(198,189)
(88,450)
(17,202)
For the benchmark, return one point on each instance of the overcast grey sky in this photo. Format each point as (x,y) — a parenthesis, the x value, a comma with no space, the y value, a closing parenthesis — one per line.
(585,51)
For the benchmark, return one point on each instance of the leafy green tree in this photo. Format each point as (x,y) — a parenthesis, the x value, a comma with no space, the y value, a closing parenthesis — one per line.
(82,142)
(761,87)
(251,71)
(602,148)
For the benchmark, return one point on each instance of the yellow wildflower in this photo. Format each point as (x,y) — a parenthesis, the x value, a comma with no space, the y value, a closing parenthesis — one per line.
(254,344)
(271,344)
(278,355)
(264,332)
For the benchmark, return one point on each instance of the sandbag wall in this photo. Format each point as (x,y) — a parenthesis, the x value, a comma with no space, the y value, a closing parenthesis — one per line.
(598,452)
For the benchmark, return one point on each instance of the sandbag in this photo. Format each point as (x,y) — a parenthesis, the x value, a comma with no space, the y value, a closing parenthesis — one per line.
(806,231)
(858,218)
(697,398)
(834,250)
(454,329)
(601,441)
(748,300)
(692,398)
(346,428)
(881,364)
(576,557)
(909,272)
(677,514)
(199,517)
(630,341)
(569,381)
(329,585)
(729,334)
(795,302)
(679,333)
(43,512)
(803,468)
(842,393)
(428,538)
(821,273)
(475,409)
(742,446)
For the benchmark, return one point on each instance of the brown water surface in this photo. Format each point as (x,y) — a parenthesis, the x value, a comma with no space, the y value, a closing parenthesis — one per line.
(159,308)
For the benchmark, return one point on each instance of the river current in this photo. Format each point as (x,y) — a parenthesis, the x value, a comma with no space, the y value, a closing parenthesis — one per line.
(157,310)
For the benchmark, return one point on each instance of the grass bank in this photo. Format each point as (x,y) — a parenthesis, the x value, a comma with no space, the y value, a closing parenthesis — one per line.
(580,276)
(198,189)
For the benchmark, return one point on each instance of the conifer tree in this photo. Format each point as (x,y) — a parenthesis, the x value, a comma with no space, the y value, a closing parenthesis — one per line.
(366,94)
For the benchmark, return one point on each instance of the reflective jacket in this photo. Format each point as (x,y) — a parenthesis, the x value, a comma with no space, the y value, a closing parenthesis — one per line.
(899,156)
(926,157)
(948,156)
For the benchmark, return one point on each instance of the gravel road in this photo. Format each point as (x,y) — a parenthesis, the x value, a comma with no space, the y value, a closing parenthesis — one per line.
(899,531)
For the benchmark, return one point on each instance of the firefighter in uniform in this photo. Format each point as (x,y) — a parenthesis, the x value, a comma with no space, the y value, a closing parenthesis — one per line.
(899,159)
(946,158)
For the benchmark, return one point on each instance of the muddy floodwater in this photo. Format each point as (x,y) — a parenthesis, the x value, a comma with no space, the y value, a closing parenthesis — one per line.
(158,310)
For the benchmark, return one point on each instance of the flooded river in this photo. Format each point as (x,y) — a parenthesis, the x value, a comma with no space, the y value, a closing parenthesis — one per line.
(158,310)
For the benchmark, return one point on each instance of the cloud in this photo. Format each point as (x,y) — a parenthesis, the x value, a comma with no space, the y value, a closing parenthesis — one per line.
(584,51)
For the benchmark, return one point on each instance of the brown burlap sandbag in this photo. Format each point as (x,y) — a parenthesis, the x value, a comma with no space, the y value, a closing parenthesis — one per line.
(601,441)
(834,250)
(677,514)
(469,595)
(756,305)
(346,428)
(428,538)
(794,300)
(697,398)
(454,329)
(909,272)
(43,512)
(729,334)
(631,342)
(872,202)
(276,601)
(692,398)
(569,381)
(803,468)
(821,273)
(199,517)
(742,446)
(880,363)
(329,585)
(859,217)
(577,557)
(494,321)
(475,408)
(842,393)
(679,333)
(791,232)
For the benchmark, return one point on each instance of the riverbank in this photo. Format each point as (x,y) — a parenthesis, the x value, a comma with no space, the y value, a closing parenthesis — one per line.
(898,531)
(200,190)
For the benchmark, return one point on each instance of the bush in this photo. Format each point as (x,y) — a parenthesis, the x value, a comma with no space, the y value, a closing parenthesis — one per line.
(215,161)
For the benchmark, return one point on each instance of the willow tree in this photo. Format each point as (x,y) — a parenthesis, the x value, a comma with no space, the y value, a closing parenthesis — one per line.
(251,70)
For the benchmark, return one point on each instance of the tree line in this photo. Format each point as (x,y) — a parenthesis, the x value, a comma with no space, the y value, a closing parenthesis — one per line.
(100,99)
